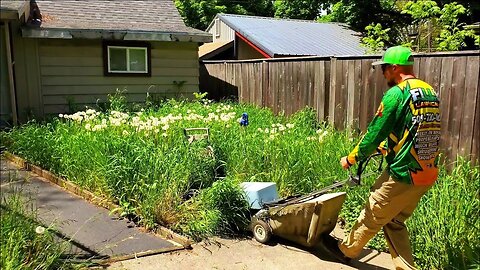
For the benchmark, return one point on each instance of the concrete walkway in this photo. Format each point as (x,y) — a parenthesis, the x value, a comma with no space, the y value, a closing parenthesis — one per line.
(246,254)
(91,230)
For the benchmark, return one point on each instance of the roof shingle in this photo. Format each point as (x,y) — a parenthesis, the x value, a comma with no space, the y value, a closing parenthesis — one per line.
(153,17)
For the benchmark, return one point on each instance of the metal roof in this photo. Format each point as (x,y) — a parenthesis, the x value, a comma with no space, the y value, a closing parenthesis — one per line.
(279,37)
(150,20)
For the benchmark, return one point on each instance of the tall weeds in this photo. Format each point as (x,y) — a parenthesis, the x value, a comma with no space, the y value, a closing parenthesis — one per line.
(142,161)
(24,243)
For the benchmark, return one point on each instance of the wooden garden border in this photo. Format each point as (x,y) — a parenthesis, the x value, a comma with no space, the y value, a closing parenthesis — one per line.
(180,242)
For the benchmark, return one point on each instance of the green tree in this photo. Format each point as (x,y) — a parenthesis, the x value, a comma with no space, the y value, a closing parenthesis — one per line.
(300,9)
(438,28)
(453,34)
(375,38)
(199,14)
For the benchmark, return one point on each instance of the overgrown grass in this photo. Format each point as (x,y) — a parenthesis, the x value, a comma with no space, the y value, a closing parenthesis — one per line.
(142,161)
(24,243)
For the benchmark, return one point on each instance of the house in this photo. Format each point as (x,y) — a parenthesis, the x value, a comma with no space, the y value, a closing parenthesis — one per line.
(249,37)
(64,54)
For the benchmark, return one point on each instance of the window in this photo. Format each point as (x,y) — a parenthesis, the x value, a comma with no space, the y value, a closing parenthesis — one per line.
(127,59)
(217,27)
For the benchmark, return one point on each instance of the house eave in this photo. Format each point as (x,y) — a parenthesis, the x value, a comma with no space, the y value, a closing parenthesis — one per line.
(15,14)
(28,32)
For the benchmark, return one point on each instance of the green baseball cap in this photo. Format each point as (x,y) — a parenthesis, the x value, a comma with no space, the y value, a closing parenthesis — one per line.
(397,55)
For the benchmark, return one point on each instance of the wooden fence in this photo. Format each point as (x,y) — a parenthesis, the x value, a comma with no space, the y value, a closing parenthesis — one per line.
(346,91)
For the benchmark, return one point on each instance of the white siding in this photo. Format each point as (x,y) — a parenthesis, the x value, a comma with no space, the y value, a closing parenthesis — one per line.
(225,32)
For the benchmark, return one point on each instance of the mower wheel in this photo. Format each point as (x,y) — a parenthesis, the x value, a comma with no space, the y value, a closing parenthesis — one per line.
(261,231)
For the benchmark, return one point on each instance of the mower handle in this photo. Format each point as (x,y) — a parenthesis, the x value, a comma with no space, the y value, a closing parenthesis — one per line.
(356,179)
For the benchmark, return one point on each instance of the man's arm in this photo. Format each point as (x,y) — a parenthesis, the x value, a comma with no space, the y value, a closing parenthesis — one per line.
(380,127)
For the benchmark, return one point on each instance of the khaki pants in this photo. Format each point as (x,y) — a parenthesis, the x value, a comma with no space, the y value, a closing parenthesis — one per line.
(389,205)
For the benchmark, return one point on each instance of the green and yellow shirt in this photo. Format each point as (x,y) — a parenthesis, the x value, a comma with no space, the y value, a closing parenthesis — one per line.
(408,118)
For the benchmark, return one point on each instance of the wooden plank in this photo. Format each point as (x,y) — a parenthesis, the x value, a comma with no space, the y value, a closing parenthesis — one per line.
(350,88)
(174,53)
(34,79)
(444,93)
(98,71)
(365,95)
(85,61)
(358,89)
(436,72)
(469,106)
(311,84)
(475,157)
(332,91)
(456,106)
(265,84)
(318,97)
(326,93)
(110,89)
(288,93)
(274,82)
(90,99)
(96,80)
(282,87)
(72,50)
(340,111)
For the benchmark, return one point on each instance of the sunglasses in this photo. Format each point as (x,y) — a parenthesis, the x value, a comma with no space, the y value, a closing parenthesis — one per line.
(384,67)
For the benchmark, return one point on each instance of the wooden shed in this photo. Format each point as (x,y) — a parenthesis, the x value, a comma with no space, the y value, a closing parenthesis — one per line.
(66,54)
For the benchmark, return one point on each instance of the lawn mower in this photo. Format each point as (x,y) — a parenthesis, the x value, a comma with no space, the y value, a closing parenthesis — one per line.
(303,219)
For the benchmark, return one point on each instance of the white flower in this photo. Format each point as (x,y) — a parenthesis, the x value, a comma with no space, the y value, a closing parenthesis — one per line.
(60,115)
(165,127)
(125,133)
(260,130)
(88,127)
(90,111)
(40,229)
(272,137)
(164,134)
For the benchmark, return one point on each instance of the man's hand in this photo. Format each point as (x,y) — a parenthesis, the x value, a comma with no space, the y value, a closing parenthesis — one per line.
(344,162)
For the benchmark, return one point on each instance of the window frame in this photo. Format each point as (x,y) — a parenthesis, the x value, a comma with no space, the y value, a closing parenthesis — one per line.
(217,27)
(126,45)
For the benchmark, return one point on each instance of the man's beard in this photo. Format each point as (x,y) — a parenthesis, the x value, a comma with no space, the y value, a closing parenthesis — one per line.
(391,83)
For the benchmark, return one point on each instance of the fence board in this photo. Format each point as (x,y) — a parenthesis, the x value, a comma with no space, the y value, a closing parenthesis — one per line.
(456,105)
(469,104)
(445,93)
(351,101)
(476,128)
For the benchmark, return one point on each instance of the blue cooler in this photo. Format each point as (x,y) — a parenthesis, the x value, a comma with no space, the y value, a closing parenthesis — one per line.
(259,193)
